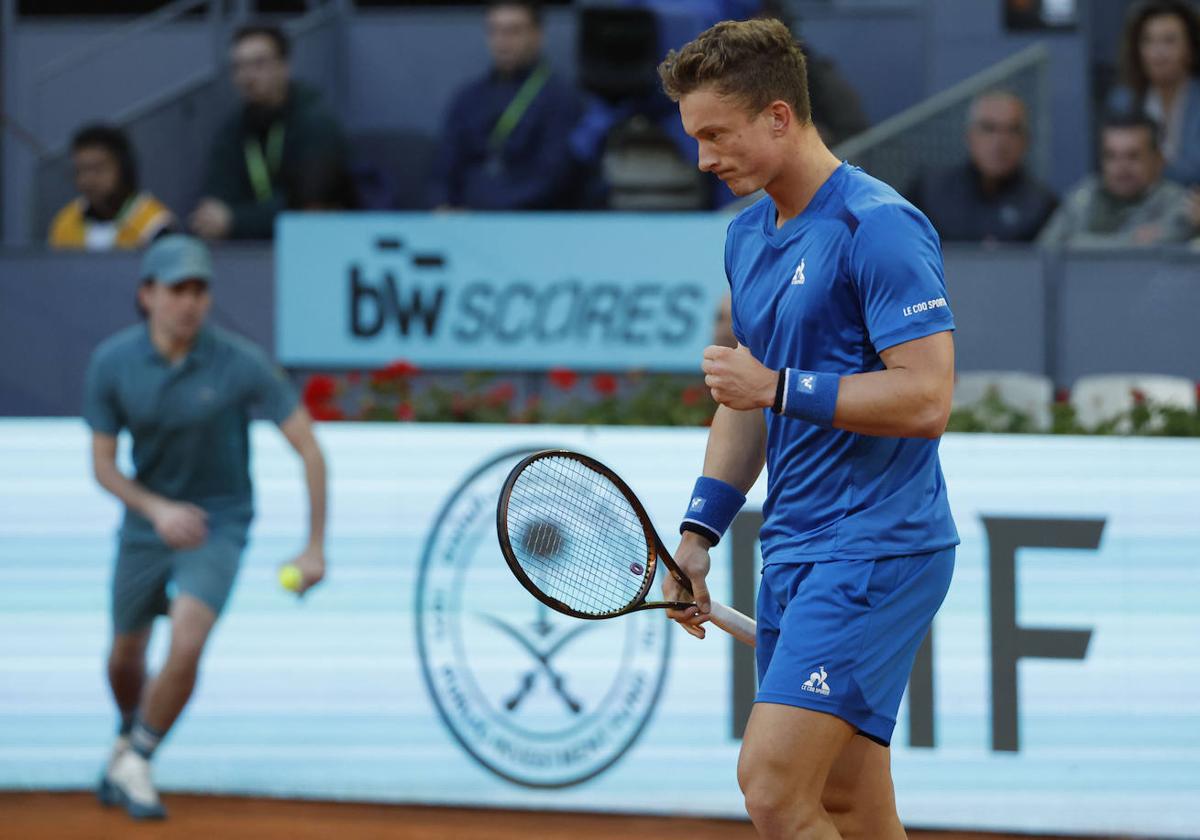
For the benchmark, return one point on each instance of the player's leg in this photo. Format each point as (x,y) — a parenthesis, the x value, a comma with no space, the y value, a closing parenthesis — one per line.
(166,695)
(858,794)
(787,753)
(191,622)
(203,578)
(901,594)
(138,595)
(127,673)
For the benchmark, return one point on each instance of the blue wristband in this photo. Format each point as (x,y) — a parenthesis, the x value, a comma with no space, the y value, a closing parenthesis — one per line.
(807,395)
(712,508)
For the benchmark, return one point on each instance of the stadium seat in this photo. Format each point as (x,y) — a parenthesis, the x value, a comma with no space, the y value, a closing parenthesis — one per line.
(391,169)
(1029,393)
(1102,397)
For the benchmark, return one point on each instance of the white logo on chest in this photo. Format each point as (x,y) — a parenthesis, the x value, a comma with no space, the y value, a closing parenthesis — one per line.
(798,277)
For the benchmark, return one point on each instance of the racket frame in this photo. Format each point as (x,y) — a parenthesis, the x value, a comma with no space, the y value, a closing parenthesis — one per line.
(654,545)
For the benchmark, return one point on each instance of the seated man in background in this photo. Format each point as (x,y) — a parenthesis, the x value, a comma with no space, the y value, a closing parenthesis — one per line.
(110,212)
(505,142)
(1130,204)
(281,149)
(991,197)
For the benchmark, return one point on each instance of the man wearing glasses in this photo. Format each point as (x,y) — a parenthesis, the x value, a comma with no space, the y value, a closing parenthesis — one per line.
(282,149)
(990,197)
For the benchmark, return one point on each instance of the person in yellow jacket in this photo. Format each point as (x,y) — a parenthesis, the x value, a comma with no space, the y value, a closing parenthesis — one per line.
(110,211)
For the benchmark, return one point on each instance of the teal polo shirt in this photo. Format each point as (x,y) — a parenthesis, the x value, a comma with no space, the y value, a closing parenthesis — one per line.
(190,421)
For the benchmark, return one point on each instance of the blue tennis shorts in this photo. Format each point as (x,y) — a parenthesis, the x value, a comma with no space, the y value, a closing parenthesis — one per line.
(841,636)
(148,573)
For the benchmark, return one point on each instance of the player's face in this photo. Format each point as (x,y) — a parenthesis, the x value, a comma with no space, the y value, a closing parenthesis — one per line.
(996,138)
(259,73)
(97,177)
(738,147)
(1129,162)
(1163,48)
(514,39)
(177,311)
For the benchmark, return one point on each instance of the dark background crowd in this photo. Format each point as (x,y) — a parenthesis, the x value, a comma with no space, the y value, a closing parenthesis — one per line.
(525,137)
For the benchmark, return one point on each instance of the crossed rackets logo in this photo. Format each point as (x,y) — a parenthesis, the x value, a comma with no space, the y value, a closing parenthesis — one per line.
(542,658)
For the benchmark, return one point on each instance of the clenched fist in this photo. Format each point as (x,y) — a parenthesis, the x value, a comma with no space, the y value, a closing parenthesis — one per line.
(737,379)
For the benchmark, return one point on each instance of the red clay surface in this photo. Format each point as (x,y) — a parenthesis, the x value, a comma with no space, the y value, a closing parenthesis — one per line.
(77,816)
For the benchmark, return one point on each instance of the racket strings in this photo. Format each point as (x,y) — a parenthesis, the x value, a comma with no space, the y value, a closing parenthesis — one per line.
(577,537)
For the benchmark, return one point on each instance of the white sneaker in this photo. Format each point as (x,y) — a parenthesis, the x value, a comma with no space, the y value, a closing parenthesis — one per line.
(131,782)
(105,791)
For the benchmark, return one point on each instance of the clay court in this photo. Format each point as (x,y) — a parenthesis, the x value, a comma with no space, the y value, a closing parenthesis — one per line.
(76,816)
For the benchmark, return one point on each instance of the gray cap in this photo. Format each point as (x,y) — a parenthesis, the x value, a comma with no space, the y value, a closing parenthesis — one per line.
(174,258)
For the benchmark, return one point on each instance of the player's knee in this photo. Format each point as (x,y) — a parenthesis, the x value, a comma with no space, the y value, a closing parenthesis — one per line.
(859,817)
(186,650)
(776,807)
(843,810)
(127,653)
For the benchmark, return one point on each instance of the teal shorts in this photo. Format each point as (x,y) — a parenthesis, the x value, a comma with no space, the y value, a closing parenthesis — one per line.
(148,573)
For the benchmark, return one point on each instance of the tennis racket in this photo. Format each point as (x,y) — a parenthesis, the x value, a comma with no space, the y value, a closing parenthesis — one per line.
(579,540)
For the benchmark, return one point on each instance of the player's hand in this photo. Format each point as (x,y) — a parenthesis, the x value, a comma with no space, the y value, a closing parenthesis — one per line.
(1193,207)
(737,379)
(180,524)
(212,219)
(693,560)
(311,563)
(1147,234)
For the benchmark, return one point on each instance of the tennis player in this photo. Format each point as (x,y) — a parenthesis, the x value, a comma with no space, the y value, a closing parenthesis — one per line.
(841,383)
(184,391)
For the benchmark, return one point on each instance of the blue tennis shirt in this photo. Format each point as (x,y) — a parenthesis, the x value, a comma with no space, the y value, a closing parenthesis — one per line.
(859,271)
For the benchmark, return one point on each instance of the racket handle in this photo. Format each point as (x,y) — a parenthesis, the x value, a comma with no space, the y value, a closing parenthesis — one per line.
(741,627)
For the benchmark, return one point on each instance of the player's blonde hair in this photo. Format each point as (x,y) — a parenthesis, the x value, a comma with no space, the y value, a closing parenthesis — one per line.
(757,61)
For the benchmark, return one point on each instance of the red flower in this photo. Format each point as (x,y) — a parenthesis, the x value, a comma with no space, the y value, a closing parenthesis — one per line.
(325,411)
(563,378)
(1139,396)
(399,369)
(319,389)
(500,394)
(605,384)
(1062,395)
(692,395)
(404,411)
(354,376)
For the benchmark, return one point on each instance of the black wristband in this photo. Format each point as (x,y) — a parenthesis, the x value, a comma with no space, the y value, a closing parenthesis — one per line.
(779,387)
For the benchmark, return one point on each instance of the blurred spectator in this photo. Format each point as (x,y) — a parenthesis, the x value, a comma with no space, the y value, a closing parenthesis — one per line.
(282,149)
(990,197)
(1131,204)
(1160,68)
(110,212)
(837,111)
(504,145)
(723,324)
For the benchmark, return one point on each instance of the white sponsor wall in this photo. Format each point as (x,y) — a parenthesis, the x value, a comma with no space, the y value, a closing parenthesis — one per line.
(422,673)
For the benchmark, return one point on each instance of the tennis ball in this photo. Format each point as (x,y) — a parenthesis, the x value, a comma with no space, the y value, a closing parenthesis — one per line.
(290,578)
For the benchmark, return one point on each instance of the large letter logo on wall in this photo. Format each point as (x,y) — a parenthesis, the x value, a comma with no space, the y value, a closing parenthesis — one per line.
(538,698)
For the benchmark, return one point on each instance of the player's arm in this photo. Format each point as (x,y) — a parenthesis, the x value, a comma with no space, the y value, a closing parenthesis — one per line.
(179,524)
(298,429)
(736,453)
(909,398)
